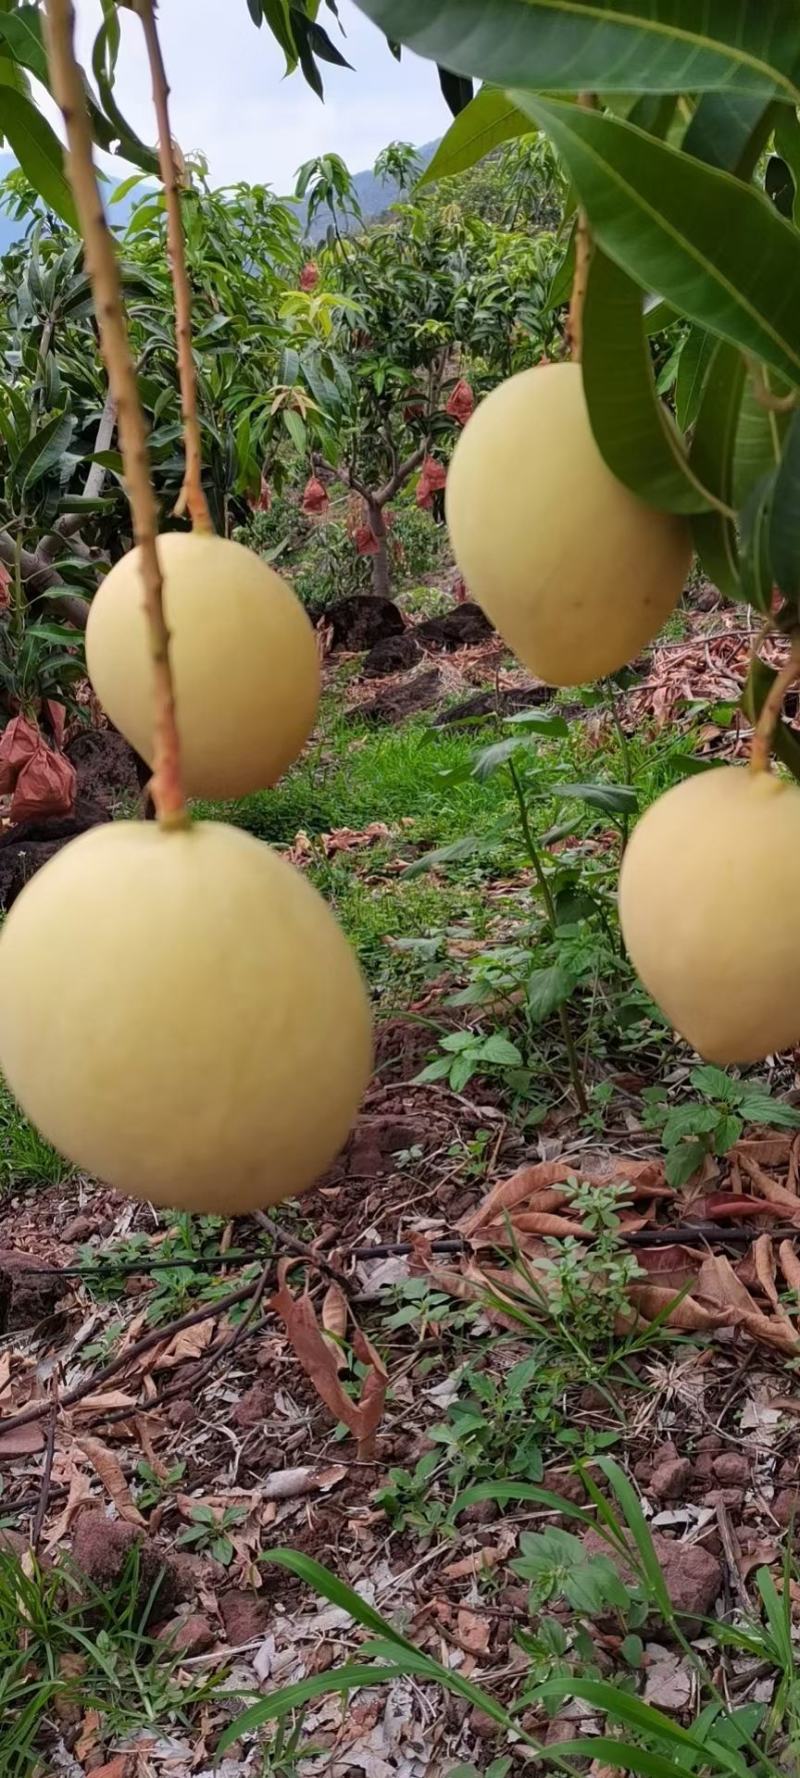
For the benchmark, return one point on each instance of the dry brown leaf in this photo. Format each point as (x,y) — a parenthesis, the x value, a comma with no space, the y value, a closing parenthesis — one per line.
(80,1490)
(334,1323)
(508,1193)
(308,1344)
(102,1403)
(718,1285)
(21,1441)
(651,1300)
(769,1187)
(5,1373)
(790,1265)
(480,1561)
(674,1267)
(121,1766)
(108,1468)
(89,1735)
(472,1632)
(190,1343)
(291,1484)
(764,1262)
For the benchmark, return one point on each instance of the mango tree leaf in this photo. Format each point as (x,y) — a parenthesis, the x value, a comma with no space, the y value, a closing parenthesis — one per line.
(22,32)
(711,246)
(296,430)
(39,153)
(756,568)
(712,455)
(784,520)
(645,46)
(697,353)
(44,449)
(633,429)
(759,434)
(488,119)
(729,130)
(786,743)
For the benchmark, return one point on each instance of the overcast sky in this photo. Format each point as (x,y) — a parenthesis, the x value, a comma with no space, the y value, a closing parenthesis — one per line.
(231,101)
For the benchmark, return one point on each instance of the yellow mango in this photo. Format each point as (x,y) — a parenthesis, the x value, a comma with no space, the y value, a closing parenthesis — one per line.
(710,911)
(244,662)
(181,1015)
(575,572)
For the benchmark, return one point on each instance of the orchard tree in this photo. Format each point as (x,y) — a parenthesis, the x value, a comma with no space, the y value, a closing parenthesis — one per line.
(432,303)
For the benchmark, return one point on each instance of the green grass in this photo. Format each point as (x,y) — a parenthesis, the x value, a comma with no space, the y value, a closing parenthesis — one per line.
(67,1645)
(354,774)
(25,1157)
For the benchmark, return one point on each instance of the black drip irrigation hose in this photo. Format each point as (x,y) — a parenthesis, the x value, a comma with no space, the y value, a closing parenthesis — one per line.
(698,1234)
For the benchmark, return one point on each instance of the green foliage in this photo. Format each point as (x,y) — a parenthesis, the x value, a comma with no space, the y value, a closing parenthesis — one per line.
(129,1677)
(208,1531)
(712,1124)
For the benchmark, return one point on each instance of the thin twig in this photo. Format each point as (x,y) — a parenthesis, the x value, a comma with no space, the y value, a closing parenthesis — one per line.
(103,269)
(769,716)
(301,1249)
(580,276)
(47,1470)
(191,498)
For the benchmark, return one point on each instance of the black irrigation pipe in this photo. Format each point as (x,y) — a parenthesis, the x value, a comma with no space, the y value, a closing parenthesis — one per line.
(697,1234)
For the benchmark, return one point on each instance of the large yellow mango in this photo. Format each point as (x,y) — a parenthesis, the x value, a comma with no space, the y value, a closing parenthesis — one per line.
(710,909)
(575,572)
(181,1015)
(244,662)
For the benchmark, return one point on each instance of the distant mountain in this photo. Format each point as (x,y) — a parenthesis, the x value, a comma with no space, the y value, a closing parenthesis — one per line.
(374,197)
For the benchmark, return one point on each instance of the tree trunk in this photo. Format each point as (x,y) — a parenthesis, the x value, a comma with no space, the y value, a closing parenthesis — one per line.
(380,561)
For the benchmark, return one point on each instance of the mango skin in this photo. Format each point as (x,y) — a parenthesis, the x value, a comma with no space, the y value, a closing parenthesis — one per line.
(244,661)
(710,909)
(181,1015)
(575,572)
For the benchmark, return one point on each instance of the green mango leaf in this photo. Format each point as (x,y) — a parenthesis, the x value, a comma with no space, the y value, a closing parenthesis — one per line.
(22,32)
(759,438)
(756,567)
(697,353)
(712,456)
(784,519)
(44,449)
(729,130)
(38,151)
(714,248)
(641,46)
(488,119)
(633,429)
(296,430)
(786,743)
